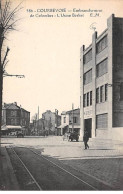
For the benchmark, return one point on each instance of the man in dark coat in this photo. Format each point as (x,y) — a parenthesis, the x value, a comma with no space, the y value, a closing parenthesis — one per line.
(85,139)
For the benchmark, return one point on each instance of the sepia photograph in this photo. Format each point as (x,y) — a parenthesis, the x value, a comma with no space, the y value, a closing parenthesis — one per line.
(61,95)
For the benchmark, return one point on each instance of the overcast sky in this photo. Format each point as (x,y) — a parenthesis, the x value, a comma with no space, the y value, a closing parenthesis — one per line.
(47,51)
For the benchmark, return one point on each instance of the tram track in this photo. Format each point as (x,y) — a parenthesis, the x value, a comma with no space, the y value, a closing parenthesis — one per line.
(38,186)
(50,166)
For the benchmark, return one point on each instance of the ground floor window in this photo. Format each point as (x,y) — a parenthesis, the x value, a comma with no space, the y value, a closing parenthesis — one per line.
(102,121)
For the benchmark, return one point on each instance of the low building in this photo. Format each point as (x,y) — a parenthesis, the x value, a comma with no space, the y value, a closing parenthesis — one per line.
(38,127)
(14,118)
(51,122)
(70,121)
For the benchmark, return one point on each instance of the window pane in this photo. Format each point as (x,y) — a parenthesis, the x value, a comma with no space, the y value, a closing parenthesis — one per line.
(88,56)
(84,100)
(97,95)
(102,94)
(88,99)
(102,68)
(91,98)
(106,92)
(88,77)
(101,44)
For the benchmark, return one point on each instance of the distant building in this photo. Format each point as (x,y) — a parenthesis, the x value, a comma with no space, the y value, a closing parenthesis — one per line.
(70,121)
(38,127)
(14,117)
(51,122)
(101,83)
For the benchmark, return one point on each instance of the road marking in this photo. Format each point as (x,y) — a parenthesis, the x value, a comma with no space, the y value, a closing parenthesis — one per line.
(27,169)
(64,170)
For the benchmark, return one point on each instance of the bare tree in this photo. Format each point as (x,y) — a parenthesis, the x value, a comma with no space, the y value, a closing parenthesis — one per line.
(8,22)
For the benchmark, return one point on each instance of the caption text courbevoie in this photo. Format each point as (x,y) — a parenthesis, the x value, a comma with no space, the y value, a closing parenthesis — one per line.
(65,10)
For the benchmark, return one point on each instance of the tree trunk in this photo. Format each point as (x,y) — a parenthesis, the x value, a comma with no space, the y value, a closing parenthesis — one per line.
(1,79)
(1,92)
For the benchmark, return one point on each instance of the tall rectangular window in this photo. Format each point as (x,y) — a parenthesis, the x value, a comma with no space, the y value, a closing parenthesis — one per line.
(102,95)
(102,68)
(106,92)
(75,119)
(88,77)
(14,113)
(88,56)
(121,91)
(90,97)
(102,44)
(97,95)
(84,100)
(64,119)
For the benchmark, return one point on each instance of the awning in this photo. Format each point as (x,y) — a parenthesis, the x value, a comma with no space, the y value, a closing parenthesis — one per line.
(6,127)
(62,126)
(3,128)
(75,127)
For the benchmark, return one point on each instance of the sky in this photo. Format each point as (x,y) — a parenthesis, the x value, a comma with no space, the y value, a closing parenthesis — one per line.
(47,51)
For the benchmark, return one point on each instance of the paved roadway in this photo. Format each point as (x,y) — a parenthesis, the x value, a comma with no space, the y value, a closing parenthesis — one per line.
(63,165)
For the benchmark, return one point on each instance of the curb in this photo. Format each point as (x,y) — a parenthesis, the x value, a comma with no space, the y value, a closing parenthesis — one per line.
(7,176)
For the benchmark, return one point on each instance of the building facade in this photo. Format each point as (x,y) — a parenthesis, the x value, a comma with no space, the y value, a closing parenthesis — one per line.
(15,117)
(38,127)
(70,121)
(101,83)
(51,122)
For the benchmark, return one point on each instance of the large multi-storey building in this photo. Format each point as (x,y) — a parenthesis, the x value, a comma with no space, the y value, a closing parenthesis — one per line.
(101,82)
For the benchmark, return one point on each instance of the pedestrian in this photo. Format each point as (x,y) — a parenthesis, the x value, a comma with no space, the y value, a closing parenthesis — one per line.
(86,138)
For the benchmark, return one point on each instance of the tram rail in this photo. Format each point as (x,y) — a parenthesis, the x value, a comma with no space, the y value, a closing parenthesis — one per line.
(90,187)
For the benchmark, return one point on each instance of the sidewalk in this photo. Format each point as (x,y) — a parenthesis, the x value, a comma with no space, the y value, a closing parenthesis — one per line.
(98,148)
(8,179)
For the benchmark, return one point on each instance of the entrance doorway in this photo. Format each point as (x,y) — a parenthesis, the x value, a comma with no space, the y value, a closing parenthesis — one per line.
(88,126)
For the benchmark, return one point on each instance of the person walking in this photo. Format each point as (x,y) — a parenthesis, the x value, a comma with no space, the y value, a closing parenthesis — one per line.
(85,139)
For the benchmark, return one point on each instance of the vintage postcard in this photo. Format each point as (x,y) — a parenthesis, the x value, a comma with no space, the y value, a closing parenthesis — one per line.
(61,95)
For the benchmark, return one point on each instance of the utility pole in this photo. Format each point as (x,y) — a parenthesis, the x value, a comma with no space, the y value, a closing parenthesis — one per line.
(7,24)
(1,70)
(38,121)
(72,117)
(56,114)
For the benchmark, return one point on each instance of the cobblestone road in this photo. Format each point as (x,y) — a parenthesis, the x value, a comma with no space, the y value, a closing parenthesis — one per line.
(102,161)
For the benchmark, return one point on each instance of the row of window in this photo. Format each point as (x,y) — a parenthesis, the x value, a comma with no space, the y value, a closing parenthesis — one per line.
(16,121)
(101,45)
(15,113)
(13,121)
(102,93)
(101,96)
(101,69)
(74,120)
(87,99)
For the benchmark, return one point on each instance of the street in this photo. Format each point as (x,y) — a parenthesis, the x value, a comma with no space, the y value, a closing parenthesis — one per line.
(49,163)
